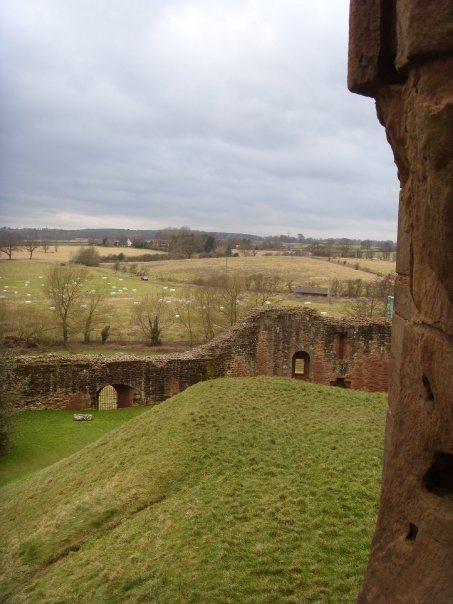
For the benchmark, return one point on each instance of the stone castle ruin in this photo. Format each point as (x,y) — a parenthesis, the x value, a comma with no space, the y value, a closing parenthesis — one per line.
(401,53)
(288,342)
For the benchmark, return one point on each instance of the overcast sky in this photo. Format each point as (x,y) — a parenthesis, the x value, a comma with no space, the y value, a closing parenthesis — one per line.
(217,114)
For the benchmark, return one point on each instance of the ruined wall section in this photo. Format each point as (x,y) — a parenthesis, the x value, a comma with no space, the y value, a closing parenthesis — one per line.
(401,53)
(363,362)
(54,382)
(261,344)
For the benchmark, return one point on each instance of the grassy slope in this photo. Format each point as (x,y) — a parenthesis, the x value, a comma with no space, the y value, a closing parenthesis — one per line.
(40,438)
(253,489)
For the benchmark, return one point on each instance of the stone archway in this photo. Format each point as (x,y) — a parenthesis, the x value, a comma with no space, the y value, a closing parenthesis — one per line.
(125,395)
(301,365)
(114,396)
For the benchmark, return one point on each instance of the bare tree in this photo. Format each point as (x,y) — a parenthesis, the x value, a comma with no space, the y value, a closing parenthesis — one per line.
(9,243)
(375,302)
(230,297)
(289,283)
(368,308)
(94,306)
(336,287)
(45,246)
(206,301)
(384,286)
(31,246)
(64,287)
(105,334)
(186,315)
(367,246)
(151,315)
(225,299)
(29,325)
(263,287)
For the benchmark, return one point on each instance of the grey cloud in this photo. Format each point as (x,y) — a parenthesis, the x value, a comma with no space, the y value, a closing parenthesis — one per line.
(225,115)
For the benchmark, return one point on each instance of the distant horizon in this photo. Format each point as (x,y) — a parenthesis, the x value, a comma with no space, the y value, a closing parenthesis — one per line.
(195,230)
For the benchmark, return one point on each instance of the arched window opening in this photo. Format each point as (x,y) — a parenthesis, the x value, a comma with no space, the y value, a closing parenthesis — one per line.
(301,365)
(115,396)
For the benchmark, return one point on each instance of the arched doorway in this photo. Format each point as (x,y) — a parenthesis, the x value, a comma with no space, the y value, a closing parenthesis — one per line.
(113,396)
(301,365)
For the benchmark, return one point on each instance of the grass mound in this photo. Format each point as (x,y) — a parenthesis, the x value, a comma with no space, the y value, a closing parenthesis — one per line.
(253,489)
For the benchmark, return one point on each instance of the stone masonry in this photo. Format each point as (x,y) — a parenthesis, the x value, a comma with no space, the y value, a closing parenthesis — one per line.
(354,354)
(401,53)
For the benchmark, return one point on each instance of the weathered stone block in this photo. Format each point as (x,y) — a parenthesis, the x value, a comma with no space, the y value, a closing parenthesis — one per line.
(82,417)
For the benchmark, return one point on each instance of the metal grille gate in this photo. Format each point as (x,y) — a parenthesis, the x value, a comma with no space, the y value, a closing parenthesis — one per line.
(107,398)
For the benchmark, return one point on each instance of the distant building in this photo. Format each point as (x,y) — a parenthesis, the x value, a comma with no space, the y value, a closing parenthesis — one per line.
(308,292)
(122,243)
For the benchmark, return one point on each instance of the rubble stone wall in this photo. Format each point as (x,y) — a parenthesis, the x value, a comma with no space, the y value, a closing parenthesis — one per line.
(262,344)
(401,53)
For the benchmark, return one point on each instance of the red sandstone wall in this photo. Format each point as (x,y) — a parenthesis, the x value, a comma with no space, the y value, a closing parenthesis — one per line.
(365,361)
(401,53)
(262,344)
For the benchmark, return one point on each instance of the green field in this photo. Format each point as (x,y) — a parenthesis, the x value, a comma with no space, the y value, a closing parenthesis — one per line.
(123,290)
(236,490)
(40,438)
(21,288)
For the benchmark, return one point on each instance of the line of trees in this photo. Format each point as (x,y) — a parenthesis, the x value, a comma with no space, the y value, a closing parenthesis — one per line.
(74,307)
(10,242)
(186,243)
(381,287)
(203,311)
(74,302)
(216,302)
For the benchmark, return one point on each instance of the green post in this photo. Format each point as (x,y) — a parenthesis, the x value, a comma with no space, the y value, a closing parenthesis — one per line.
(390,306)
